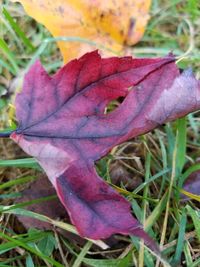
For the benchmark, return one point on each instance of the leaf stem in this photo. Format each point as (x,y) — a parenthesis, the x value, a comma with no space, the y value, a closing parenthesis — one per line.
(5,134)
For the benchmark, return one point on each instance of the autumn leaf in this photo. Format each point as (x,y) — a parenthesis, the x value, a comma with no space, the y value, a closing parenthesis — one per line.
(62,124)
(113,24)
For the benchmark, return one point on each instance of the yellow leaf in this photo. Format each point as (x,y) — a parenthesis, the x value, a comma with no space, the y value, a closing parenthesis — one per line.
(115,24)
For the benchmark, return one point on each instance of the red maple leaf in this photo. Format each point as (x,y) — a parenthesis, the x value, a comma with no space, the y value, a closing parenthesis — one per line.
(63,125)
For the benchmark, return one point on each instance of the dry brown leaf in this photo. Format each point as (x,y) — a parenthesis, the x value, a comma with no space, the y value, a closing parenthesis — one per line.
(51,208)
(112,23)
(119,174)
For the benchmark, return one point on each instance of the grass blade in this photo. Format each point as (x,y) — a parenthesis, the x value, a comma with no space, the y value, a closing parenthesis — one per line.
(81,256)
(18,31)
(6,51)
(181,237)
(181,144)
(20,163)
(30,249)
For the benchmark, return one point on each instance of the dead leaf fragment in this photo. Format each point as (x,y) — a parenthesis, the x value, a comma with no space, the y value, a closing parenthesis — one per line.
(51,208)
(119,174)
(192,187)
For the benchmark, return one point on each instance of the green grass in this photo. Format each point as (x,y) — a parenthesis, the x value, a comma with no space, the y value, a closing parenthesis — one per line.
(163,159)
